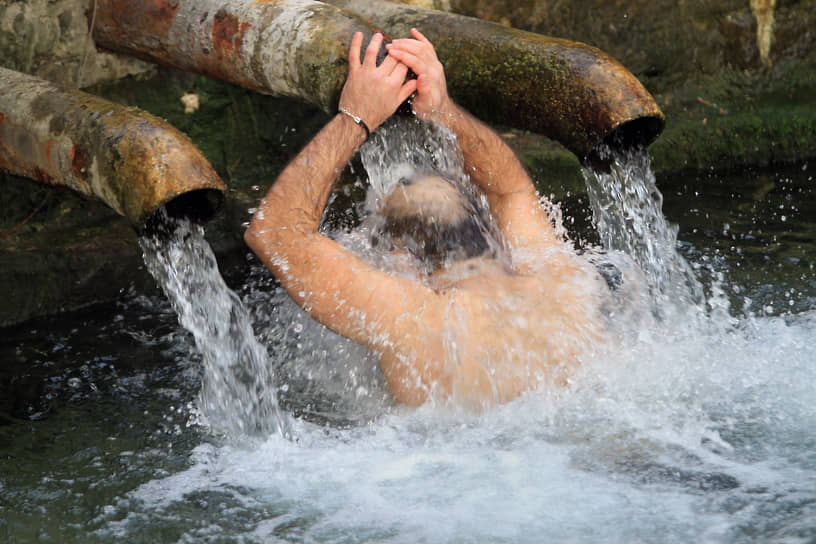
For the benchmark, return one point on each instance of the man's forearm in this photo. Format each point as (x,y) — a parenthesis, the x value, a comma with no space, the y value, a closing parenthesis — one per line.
(295,203)
(489,161)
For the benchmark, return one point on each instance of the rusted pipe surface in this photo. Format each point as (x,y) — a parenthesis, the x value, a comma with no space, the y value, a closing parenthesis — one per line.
(285,47)
(569,91)
(129,159)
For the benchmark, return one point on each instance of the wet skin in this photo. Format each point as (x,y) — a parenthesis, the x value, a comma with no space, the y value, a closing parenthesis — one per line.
(477,332)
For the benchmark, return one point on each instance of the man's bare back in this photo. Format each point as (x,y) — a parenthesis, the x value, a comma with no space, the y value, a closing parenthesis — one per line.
(491,333)
(474,330)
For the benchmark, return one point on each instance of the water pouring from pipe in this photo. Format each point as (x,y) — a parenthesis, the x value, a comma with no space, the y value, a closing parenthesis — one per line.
(627,213)
(150,172)
(237,395)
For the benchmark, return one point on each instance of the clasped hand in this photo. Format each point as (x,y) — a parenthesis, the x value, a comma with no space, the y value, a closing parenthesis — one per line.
(374,93)
(432,88)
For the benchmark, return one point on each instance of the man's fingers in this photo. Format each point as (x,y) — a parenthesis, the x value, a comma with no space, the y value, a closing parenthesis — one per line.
(414,47)
(420,36)
(354,50)
(389,63)
(399,73)
(372,50)
(407,90)
(407,58)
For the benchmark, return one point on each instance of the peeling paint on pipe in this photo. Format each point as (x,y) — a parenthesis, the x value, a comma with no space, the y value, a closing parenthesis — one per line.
(133,161)
(571,92)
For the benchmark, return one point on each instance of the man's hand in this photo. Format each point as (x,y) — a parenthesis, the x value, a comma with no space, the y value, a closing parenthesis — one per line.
(432,89)
(373,92)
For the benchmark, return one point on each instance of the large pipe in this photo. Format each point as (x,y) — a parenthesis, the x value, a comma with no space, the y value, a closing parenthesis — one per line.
(571,92)
(293,48)
(133,161)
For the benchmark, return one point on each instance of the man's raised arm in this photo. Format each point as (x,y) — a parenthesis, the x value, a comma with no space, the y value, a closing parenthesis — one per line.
(333,285)
(490,163)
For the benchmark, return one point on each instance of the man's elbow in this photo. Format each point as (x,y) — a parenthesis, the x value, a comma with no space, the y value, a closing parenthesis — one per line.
(264,237)
(253,236)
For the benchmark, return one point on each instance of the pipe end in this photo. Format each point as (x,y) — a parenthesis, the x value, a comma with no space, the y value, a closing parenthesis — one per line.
(199,206)
(638,132)
(634,134)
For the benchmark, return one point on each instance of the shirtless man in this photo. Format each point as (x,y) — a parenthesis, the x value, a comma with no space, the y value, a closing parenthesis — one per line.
(473,328)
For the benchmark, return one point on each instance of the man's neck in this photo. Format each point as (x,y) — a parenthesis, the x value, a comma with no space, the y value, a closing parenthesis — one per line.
(458,272)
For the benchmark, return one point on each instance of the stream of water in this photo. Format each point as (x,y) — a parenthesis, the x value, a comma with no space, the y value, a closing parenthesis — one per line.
(238,387)
(701,427)
(628,216)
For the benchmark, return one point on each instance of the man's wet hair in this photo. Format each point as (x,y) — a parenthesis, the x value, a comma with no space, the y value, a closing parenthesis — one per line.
(452,225)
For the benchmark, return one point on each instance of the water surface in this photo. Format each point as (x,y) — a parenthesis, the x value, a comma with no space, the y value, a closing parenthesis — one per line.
(702,433)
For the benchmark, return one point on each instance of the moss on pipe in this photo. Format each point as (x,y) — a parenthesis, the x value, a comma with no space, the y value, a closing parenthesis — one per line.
(569,91)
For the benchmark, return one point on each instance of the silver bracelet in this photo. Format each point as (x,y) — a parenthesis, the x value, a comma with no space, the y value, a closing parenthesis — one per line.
(357,120)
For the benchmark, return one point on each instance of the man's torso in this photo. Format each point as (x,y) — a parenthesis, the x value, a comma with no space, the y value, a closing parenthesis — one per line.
(494,333)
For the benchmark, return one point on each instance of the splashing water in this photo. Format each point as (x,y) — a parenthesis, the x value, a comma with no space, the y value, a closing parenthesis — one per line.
(321,376)
(627,212)
(404,146)
(237,393)
(700,437)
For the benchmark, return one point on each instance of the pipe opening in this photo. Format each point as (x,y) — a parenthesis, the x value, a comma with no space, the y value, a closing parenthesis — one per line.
(638,132)
(198,206)
(632,134)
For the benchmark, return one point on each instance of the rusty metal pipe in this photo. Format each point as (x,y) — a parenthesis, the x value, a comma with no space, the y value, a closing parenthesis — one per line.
(569,91)
(295,48)
(133,161)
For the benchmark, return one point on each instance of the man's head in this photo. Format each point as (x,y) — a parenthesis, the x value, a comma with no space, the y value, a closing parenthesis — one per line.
(436,220)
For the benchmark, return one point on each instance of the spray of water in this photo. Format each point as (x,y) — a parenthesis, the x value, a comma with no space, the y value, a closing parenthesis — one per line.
(237,393)
(404,146)
(697,438)
(627,213)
